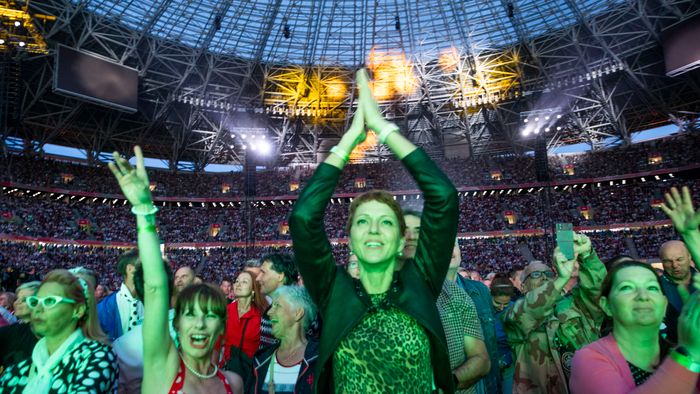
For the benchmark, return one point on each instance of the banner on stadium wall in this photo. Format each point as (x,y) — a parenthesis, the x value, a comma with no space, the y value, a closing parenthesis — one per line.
(360,183)
(655,158)
(510,216)
(214,229)
(284,227)
(67,178)
(84,224)
(586,212)
(293,186)
(225,188)
(569,169)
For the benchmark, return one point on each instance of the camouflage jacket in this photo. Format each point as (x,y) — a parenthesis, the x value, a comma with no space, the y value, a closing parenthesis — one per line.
(545,328)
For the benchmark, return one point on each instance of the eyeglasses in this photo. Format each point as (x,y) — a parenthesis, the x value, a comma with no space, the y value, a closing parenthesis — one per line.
(538,274)
(47,302)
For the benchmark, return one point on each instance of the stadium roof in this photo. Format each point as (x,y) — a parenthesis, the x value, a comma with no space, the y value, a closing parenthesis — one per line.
(343,31)
(460,77)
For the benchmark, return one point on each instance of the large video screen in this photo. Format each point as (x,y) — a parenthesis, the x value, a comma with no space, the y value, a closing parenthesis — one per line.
(95,79)
(681,45)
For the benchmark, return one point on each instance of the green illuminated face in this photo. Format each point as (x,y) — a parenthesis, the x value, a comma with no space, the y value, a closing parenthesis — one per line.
(500,302)
(55,321)
(412,234)
(676,261)
(375,236)
(282,316)
(198,331)
(635,298)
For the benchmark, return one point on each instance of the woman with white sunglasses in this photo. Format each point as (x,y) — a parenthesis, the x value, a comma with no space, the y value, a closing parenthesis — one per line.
(72,355)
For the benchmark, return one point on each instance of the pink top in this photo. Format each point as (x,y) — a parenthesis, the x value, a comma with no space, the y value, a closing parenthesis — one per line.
(601,368)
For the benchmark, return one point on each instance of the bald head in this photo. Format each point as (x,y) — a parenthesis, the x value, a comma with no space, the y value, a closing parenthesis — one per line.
(676,260)
(183,278)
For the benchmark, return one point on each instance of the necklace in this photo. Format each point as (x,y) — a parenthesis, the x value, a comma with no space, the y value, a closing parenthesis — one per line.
(197,374)
(293,355)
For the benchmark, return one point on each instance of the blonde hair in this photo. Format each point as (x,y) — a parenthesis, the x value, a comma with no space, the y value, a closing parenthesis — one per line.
(89,323)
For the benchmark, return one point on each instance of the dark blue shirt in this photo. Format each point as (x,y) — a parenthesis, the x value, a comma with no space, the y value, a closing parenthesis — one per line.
(484,309)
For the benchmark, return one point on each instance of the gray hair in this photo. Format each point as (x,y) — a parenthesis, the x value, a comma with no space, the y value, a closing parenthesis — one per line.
(33,286)
(298,298)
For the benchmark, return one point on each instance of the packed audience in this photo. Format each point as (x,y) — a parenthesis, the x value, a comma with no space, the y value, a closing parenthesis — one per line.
(528,312)
(25,260)
(670,152)
(70,218)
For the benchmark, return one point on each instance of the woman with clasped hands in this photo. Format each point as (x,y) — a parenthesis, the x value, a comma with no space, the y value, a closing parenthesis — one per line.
(200,310)
(382,332)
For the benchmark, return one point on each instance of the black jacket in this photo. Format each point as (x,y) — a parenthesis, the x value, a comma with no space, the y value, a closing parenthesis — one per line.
(343,301)
(305,380)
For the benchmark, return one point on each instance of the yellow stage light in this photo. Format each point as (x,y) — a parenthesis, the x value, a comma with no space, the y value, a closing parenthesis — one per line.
(393,75)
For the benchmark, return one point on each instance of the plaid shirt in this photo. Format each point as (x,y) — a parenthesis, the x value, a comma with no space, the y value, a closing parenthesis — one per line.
(459,319)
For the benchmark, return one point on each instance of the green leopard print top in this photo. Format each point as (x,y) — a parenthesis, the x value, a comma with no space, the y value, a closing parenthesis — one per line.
(388,351)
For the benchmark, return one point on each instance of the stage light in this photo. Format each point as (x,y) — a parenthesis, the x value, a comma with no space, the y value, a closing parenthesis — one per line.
(526,120)
(537,119)
(546,129)
(22,44)
(558,128)
(264,147)
(2,41)
(17,23)
(546,117)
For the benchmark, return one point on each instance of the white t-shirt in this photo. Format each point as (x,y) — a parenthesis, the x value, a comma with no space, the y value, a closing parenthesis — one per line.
(129,351)
(130,309)
(285,378)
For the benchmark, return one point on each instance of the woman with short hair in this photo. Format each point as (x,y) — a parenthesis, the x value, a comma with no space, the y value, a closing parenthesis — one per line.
(288,366)
(381,332)
(72,355)
(23,338)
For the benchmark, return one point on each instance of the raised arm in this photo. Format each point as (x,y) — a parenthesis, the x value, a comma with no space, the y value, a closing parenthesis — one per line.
(440,210)
(157,345)
(313,252)
(528,313)
(679,208)
(591,274)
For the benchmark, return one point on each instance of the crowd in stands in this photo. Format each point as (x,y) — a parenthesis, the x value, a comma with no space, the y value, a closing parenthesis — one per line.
(484,255)
(672,152)
(70,218)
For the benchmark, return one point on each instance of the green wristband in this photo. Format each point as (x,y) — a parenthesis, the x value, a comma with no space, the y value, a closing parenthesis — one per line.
(147,229)
(153,209)
(685,361)
(340,152)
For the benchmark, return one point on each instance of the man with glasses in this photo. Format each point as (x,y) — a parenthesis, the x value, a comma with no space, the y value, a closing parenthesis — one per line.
(546,326)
